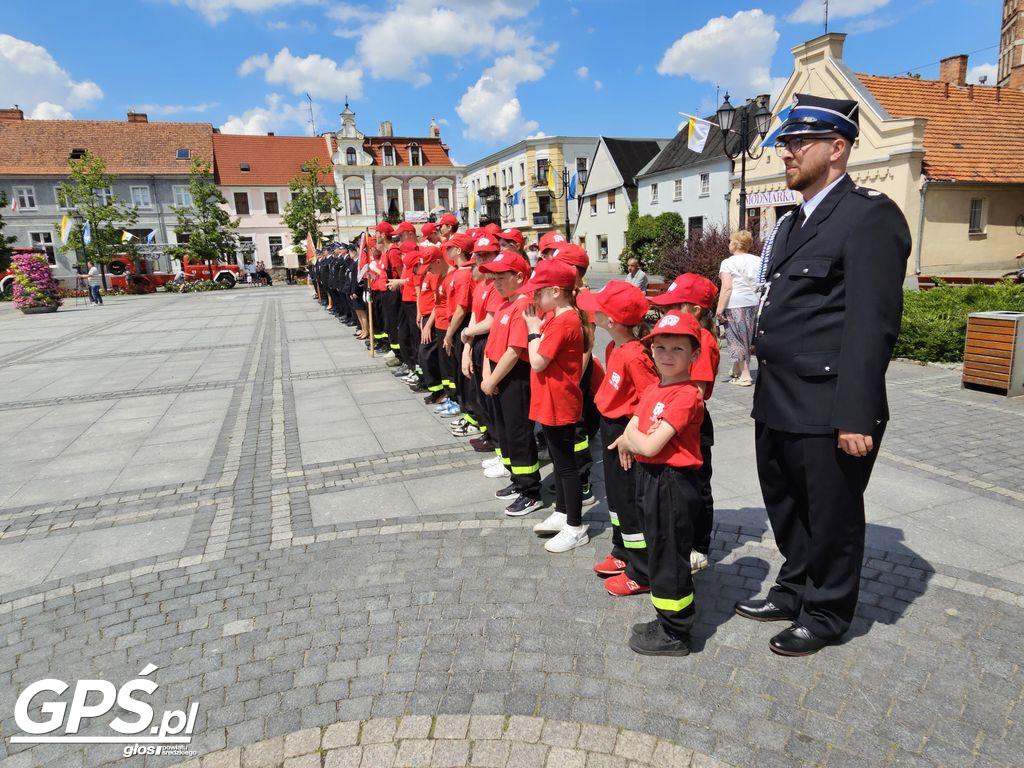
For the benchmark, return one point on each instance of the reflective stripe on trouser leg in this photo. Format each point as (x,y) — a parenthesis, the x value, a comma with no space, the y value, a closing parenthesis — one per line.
(614,518)
(524,470)
(621,491)
(669,604)
(633,540)
(582,445)
(518,443)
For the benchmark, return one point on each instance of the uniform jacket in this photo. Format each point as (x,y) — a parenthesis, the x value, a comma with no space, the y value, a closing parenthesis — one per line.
(831,315)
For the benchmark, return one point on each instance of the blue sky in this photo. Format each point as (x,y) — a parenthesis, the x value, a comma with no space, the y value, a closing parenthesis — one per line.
(491,71)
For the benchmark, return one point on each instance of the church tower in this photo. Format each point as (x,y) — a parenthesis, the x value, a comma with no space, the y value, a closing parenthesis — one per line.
(1011,46)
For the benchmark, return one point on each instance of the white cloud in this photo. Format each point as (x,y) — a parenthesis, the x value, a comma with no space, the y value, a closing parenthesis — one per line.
(598,85)
(813,11)
(33,80)
(276,116)
(988,71)
(314,74)
(490,107)
(734,52)
(443,121)
(174,109)
(216,11)
(583,72)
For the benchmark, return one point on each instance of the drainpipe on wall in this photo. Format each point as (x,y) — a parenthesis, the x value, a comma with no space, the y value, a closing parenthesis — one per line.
(920,228)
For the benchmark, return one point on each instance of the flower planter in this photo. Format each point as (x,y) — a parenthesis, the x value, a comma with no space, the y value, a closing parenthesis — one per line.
(37,310)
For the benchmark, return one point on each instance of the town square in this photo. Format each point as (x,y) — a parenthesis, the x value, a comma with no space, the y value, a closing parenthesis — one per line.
(496,436)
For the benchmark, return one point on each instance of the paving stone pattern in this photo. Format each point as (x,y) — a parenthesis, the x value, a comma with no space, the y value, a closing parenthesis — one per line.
(327,574)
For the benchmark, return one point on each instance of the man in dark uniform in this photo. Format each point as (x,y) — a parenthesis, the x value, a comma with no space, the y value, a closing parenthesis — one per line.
(827,326)
(344,284)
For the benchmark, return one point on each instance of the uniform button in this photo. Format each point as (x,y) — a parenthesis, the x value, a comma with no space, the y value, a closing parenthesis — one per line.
(806,270)
(767,303)
(827,368)
(777,275)
(760,333)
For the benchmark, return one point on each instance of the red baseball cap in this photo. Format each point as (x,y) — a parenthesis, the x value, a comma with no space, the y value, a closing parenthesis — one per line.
(405,226)
(384,228)
(460,240)
(512,235)
(676,323)
(572,254)
(507,261)
(548,274)
(474,232)
(427,228)
(688,288)
(486,244)
(623,302)
(449,218)
(429,254)
(492,229)
(551,240)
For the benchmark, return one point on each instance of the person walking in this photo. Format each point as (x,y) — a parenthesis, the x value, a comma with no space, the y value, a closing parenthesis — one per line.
(828,322)
(94,281)
(737,303)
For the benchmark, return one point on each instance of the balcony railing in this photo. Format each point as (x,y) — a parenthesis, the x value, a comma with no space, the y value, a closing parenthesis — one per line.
(542,219)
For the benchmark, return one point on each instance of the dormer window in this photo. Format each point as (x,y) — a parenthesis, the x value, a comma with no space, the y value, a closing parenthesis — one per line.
(389,154)
(350,156)
(244,167)
(77,154)
(415,157)
(184,154)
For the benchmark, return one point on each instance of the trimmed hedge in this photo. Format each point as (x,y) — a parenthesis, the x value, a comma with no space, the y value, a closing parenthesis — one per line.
(935,321)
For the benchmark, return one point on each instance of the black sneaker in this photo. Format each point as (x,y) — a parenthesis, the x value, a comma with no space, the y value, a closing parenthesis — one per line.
(523,505)
(588,496)
(646,627)
(658,642)
(433,398)
(419,388)
(508,492)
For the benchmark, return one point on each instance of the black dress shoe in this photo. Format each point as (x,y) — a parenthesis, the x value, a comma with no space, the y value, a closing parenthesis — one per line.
(797,641)
(762,610)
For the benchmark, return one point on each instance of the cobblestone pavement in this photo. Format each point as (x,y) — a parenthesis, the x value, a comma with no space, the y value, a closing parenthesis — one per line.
(226,486)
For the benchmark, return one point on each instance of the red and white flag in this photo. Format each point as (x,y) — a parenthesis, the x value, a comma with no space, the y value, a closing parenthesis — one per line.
(14,205)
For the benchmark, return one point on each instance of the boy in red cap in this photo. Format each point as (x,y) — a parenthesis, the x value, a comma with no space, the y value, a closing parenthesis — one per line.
(447,225)
(455,291)
(557,344)
(620,309)
(511,240)
(663,436)
(506,382)
(696,295)
(426,278)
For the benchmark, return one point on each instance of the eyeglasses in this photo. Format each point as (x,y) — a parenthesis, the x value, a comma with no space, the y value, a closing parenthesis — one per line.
(797,143)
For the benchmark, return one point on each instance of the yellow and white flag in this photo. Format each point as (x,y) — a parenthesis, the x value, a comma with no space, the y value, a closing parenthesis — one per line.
(126,236)
(65,229)
(697,132)
(472,202)
(551,178)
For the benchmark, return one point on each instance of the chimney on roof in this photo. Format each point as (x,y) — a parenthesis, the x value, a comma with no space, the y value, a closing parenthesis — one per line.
(138,117)
(386,129)
(953,70)
(12,114)
(270,133)
(435,129)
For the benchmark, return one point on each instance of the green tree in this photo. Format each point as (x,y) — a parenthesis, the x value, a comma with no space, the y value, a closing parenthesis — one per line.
(313,203)
(85,194)
(6,241)
(208,226)
(649,237)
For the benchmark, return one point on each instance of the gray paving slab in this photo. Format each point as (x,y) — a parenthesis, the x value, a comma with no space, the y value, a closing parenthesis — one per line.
(358,504)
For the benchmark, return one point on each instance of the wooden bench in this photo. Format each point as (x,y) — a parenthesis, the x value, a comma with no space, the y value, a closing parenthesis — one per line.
(656,287)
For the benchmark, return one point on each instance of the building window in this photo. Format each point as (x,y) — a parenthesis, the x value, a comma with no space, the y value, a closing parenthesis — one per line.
(183,154)
(26,197)
(389,154)
(677,189)
(593,205)
(444,199)
(275,251)
(602,248)
(351,158)
(141,198)
(104,195)
(705,184)
(245,248)
(241,203)
(415,156)
(504,181)
(542,171)
(393,207)
(43,241)
(419,200)
(611,201)
(522,173)
(62,204)
(695,227)
(182,197)
(355,202)
(270,202)
(976,225)
(654,194)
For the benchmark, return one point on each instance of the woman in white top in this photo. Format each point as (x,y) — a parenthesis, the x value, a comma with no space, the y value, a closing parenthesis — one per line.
(737,303)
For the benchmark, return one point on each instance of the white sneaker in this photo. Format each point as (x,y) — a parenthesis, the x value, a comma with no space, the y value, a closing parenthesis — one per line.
(567,538)
(554,524)
(494,461)
(497,470)
(698,561)
(389,355)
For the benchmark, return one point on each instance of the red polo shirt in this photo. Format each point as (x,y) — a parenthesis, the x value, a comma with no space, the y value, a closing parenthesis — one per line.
(555,395)
(681,406)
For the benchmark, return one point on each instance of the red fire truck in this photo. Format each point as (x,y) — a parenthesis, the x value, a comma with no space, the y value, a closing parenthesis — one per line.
(138,277)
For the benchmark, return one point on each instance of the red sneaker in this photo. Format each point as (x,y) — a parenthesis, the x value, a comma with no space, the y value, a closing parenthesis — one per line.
(611,566)
(623,586)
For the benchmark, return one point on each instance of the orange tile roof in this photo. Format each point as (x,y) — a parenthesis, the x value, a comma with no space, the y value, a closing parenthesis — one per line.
(973,134)
(433,150)
(273,160)
(42,147)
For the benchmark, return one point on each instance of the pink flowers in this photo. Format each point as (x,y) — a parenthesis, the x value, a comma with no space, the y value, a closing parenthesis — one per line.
(34,285)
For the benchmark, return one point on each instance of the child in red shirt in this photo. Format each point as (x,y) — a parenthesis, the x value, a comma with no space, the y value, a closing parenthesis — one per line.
(664,438)
(556,348)
(620,308)
(506,382)
(695,295)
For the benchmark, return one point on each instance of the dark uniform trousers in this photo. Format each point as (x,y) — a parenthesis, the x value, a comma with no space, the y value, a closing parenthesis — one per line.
(464,385)
(380,317)
(408,333)
(568,488)
(800,473)
(447,365)
(706,518)
(428,360)
(518,448)
(392,301)
(628,543)
(479,404)
(586,428)
(669,498)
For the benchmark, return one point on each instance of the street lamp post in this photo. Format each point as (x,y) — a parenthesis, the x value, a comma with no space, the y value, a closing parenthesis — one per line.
(762,118)
(566,180)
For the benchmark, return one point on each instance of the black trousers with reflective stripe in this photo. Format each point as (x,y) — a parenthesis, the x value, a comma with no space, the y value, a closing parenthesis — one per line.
(814,495)
(706,519)
(380,322)
(517,443)
(478,401)
(408,333)
(392,302)
(568,488)
(446,365)
(620,487)
(670,500)
(429,362)
(462,386)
